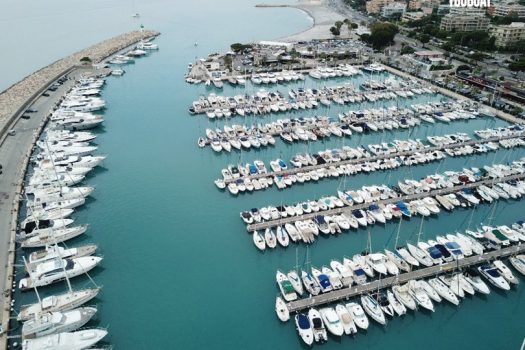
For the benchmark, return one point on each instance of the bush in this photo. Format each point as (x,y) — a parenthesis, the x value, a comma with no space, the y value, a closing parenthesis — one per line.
(85,59)
(335,31)
(407,50)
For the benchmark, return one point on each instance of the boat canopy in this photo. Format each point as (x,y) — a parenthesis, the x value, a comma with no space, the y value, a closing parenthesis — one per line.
(324,281)
(303,321)
(287,287)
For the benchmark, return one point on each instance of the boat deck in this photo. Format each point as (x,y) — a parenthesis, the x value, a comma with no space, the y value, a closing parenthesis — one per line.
(346,293)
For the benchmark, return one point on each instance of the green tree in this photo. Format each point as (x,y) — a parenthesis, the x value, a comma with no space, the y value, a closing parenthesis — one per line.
(335,31)
(228,62)
(382,34)
(407,50)
(424,38)
(85,59)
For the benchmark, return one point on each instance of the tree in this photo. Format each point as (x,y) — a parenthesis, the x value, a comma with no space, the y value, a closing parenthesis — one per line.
(228,62)
(424,38)
(85,59)
(354,26)
(335,31)
(407,50)
(236,47)
(382,34)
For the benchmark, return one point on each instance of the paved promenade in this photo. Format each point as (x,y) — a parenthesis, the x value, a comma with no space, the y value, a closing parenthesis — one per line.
(15,150)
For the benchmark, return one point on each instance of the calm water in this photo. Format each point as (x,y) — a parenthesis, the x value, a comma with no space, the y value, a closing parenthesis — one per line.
(179,269)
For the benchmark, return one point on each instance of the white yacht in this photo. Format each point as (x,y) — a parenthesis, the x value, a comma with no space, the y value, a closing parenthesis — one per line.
(420,296)
(52,237)
(431,292)
(54,251)
(420,255)
(57,322)
(346,319)
(373,309)
(505,271)
(318,327)
(473,277)
(304,327)
(331,321)
(66,341)
(402,294)
(518,262)
(493,276)
(56,303)
(294,278)
(281,310)
(443,290)
(358,315)
(398,307)
(377,262)
(56,270)
(286,287)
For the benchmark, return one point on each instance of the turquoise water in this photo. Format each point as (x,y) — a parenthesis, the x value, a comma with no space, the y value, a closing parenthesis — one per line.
(179,269)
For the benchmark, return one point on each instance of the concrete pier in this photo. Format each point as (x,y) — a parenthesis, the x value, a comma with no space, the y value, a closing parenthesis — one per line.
(353,291)
(405,198)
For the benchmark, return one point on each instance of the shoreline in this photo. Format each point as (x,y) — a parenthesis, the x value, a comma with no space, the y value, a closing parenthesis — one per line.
(322,15)
(15,151)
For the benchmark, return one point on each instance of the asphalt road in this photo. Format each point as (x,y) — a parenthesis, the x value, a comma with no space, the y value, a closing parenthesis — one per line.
(12,153)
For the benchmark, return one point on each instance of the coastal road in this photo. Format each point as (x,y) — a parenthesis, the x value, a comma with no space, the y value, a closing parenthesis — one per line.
(13,151)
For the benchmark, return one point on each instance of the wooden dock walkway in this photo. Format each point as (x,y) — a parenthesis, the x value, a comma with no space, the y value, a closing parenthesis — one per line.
(306,169)
(347,293)
(405,198)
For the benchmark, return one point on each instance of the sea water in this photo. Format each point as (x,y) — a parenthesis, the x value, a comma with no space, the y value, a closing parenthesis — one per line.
(179,270)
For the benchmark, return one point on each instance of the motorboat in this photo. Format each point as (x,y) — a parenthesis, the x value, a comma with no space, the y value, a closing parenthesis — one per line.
(473,277)
(518,262)
(417,292)
(402,252)
(57,303)
(377,262)
(382,298)
(318,326)
(259,240)
(66,341)
(420,255)
(331,321)
(373,309)
(396,259)
(346,319)
(285,286)
(360,260)
(304,328)
(443,290)
(398,307)
(55,251)
(310,283)
(493,275)
(402,294)
(505,272)
(430,291)
(454,283)
(282,311)
(56,270)
(344,272)
(57,322)
(322,280)
(294,278)
(358,315)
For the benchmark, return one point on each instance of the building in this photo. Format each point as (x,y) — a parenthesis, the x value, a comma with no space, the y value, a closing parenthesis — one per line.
(509,34)
(467,11)
(414,4)
(375,6)
(412,16)
(457,23)
(508,9)
(443,9)
(393,9)
(430,3)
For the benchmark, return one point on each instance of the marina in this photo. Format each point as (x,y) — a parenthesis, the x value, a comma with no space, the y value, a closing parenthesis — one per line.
(346,293)
(109,187)
(396,198)
(335,162)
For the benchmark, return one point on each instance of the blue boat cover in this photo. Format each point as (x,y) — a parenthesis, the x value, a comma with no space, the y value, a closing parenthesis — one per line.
(303,321)
(282,163)
(324,281)
(253,169)
(359,272)
(434,253)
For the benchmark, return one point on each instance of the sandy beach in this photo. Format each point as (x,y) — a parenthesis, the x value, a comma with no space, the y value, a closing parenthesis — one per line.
(323,14)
